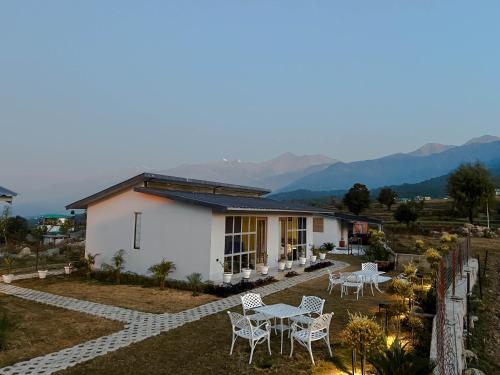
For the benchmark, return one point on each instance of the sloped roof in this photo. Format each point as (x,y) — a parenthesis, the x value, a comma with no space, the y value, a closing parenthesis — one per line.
(6,192)
(352,217)
(220,202)
(154,177)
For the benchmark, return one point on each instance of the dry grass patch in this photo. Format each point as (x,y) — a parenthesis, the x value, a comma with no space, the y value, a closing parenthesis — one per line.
(43,329)
(128,296)
(202,347)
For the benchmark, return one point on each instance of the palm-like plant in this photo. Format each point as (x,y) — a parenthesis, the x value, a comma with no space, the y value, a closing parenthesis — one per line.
(117,265)
(328,246)
(161,271)
(195,282)
(397,361)
(89,261)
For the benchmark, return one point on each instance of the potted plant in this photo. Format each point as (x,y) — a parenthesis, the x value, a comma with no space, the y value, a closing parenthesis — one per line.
(246,272)
(42,274)
(8,260)
(67,269)
(265,268)
(314,255)
(226,275)
(289,261)
(302,258)
(281,263)
(326,248)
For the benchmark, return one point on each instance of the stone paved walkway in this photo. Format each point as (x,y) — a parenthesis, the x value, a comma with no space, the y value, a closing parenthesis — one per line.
(139,326)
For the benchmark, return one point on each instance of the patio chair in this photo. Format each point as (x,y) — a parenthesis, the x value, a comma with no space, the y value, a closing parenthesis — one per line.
(319,329)
(369,266)
(314,305)
(333,279)
(243,327)
(249,302)
(351,281)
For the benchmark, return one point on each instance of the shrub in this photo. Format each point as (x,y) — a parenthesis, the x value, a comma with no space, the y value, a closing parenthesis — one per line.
(195,282)
(89,262)
(395,360)
(433,258)
(291,274)
(402,288)
(318,266)
(161,271)
(419,245)
(117,266)
(327,246)
(410,272)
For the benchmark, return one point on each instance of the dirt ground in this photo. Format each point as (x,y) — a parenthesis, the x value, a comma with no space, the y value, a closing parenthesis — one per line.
(132,297)
(43,329)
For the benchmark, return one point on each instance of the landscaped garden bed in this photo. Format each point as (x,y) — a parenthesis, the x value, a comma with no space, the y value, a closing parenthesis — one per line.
(136,297)
(41,329)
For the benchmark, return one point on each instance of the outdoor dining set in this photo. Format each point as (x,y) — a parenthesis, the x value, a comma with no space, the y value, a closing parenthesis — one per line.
(305,323)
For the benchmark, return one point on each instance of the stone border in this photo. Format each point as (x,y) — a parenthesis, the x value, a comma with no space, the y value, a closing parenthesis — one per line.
(140,326)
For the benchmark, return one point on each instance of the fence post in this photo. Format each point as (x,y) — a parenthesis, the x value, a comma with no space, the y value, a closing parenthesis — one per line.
(453,270)
(479,277)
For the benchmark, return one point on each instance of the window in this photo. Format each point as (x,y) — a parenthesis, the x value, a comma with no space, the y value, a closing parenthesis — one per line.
(293,236)
(137,230)
(240,243)
(318,225)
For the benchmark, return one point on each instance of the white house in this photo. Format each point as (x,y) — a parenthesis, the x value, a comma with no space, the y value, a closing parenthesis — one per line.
(199,225)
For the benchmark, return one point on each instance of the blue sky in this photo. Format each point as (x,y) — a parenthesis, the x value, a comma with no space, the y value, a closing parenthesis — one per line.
(95,87)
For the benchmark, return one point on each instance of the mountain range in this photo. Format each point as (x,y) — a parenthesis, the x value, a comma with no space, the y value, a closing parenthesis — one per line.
(310,175)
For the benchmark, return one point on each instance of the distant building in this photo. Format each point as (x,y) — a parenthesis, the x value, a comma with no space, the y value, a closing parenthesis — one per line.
(53,224)
(6,195)
(497,192)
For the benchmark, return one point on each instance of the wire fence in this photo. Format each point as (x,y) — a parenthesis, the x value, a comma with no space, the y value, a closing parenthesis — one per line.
(450,269)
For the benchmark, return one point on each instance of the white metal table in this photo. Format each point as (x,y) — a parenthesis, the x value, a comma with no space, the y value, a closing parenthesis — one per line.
(281,311)
(369,274)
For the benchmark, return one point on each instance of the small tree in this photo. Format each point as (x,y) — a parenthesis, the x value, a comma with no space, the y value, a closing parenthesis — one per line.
(9,262)
(117,265)
(37,234)
(433,257)
(357,199)
(89,261)
(470,186)
(419,245)
(407,213)
(410,272)
(364,336)
(387,197)
(195,283)
(161,271)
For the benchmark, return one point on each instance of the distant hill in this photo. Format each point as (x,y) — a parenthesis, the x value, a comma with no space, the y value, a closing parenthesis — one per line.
(396,169)
(430,148)
(273,174)
(434,187)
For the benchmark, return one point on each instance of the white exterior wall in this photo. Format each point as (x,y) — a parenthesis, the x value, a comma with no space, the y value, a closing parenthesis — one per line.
(332,232)
(175,231)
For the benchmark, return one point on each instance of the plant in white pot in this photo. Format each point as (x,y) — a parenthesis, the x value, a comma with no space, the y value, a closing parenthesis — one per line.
(9,261)
(67,269)
(246,272)
(281,263)
(264,270)
(314,254)
(42,274)
(227,275)
(302,258)
(289,261)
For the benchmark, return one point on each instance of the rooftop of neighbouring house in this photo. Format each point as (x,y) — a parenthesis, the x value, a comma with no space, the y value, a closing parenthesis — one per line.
(6,192)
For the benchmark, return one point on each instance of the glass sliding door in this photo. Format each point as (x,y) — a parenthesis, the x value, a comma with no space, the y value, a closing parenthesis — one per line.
(240,243)
(293,236)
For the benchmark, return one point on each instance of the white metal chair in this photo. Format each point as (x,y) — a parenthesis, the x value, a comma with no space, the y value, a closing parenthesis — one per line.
(242,327)
(370,266)
(319,329)
(333,279)
(314,305)
(249,302)
(351,281)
